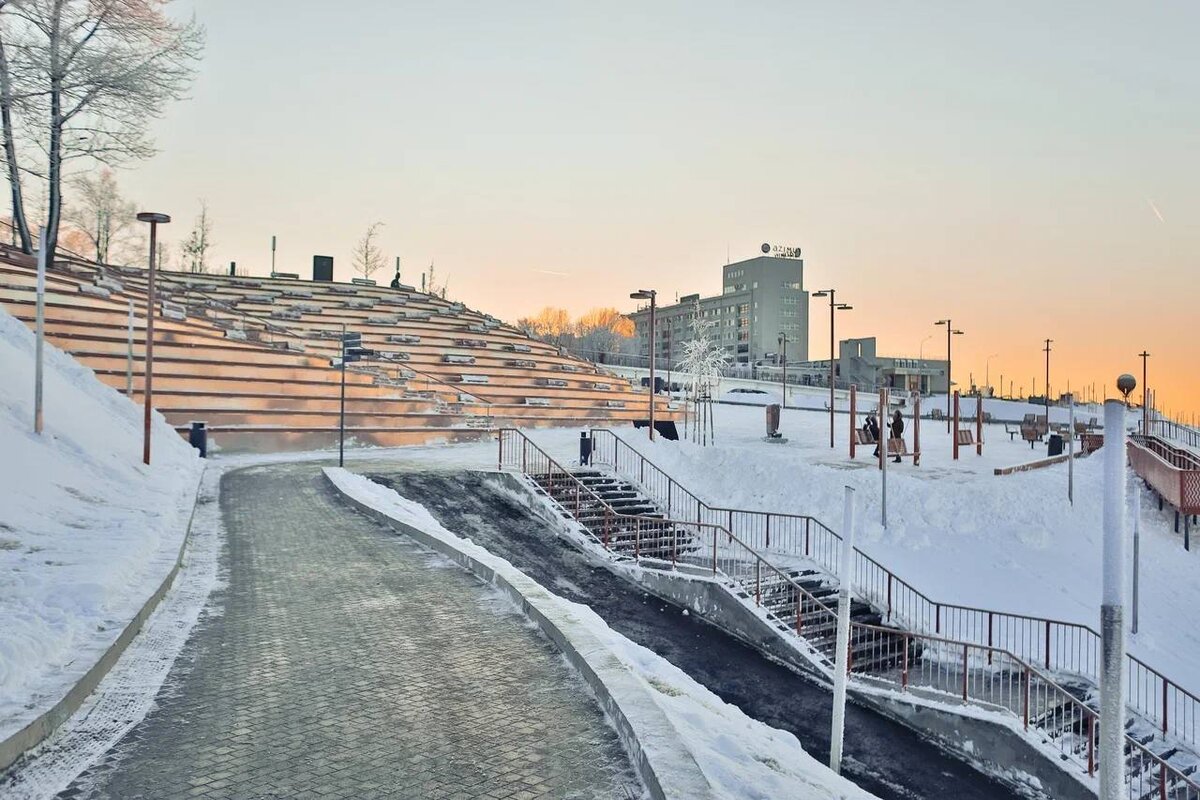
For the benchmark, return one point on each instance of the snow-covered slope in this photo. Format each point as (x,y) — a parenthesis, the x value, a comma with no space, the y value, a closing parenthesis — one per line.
(87,532)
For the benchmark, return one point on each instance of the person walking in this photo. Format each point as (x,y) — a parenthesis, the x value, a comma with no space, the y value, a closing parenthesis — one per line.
(898,430)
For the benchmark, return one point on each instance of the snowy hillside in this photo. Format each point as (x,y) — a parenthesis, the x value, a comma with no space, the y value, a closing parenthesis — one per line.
(87,532)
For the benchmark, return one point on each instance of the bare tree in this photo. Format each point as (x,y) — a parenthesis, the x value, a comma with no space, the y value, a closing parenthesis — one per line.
(100,213)
(89,76)
(195,248)
(367,256)
(8,134)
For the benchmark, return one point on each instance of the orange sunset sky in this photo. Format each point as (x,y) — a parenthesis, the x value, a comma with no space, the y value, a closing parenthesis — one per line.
(1030,170)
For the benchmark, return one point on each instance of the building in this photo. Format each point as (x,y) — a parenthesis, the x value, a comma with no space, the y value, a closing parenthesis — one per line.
(860,364)
(760,299)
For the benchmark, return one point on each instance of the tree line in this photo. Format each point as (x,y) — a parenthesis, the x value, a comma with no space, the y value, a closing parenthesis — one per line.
(598,331)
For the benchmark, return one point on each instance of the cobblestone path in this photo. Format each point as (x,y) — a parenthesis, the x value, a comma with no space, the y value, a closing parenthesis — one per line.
(344,661)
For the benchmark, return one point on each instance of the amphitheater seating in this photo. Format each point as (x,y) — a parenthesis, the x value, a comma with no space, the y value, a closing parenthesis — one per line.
(251,357)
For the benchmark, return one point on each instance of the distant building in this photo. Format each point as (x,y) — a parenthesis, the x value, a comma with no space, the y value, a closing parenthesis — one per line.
(761,298)
(859,363)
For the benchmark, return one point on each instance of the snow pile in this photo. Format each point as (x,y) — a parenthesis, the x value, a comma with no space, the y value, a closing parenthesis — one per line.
(955,531)
(741,757)
(87,532)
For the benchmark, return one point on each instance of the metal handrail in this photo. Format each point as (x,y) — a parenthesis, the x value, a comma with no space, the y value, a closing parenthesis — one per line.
(1053,695)
(1048,640)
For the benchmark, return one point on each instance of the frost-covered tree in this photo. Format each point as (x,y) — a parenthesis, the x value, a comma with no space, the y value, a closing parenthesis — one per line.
(99,212)
(703,359)
(196,247)
(367,255)
(85,79)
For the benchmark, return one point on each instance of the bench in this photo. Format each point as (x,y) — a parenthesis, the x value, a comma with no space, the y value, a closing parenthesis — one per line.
(936,414)
(1011,431)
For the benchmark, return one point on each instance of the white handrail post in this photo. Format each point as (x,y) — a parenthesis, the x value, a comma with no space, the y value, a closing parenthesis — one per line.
(1071,451)
(129,353)
(1112,611)
(842,660)
(1137,535)
(41,332)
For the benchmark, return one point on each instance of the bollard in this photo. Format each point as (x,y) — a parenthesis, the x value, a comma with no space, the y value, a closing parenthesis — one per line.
(585,449)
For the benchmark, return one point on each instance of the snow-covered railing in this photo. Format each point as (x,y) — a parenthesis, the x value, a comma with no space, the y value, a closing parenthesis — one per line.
(940,667)
(1174,431)
(1054,645)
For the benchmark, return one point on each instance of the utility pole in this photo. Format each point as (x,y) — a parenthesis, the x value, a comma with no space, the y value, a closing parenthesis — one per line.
(1048,341)
(1145,395)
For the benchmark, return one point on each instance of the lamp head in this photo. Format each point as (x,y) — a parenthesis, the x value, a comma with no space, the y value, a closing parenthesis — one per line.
(153,216)
(942,322)
(822,293)
(843,307)
(642,294)
(1126,384)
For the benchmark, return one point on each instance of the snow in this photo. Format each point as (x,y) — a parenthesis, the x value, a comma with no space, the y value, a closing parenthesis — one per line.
(740,757)
(956,532)
(87,532)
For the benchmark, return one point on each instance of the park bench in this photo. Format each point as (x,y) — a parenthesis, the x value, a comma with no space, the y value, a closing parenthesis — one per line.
(1011,431)
(936,414)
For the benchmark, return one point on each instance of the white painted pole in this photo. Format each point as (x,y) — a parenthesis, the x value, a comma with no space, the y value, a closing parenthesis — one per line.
(129,354)
(1137,535)
(842,659)
(1071,450)
(40,325)
(1112,610)
(885,435)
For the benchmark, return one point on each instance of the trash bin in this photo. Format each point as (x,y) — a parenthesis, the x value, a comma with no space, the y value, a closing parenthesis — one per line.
(1056,444)
(198,438)
(585,449)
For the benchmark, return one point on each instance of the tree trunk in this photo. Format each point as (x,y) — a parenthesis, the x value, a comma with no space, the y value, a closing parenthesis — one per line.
(10,153)
(54,212)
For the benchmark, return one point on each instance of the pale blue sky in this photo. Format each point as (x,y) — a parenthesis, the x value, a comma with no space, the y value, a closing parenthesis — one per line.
(992,162)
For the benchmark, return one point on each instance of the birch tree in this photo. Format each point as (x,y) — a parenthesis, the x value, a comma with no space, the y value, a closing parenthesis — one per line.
(87,77)
(100,214)
(196,247)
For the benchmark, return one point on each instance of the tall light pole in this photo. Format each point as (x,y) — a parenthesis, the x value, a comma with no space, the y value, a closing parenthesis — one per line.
(783,346)
(834,307)
(1048,341)
(651,295)
(922,384)
(154,219)
(987,371)
(1145,396)
(949,380)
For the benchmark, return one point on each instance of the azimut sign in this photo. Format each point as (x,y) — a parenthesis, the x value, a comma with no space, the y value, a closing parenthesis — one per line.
(780,251)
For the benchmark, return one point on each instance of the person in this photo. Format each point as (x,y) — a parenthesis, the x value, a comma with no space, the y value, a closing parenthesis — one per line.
(872,428)
(897,429)
(395,284)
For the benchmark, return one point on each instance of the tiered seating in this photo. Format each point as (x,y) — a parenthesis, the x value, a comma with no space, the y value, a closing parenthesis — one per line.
(251,357)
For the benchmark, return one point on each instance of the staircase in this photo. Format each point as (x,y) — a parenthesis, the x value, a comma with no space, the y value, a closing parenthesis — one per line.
(1058,713)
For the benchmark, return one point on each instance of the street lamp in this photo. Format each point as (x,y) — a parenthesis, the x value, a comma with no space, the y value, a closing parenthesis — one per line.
(987,371)
(949,379)
(834,307)
(649,294)
(154,219)
(783,340)
(1145,395)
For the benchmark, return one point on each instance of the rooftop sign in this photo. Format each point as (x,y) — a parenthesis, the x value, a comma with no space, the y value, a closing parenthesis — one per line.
(780,251)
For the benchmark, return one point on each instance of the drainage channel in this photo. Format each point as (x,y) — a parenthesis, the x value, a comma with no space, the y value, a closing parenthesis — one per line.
(881,755)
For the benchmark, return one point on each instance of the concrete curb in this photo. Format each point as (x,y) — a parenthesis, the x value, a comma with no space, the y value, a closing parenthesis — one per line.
(40,728)
(667,768)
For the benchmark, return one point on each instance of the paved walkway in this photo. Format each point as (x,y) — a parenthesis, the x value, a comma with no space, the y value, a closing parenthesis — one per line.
(347,662)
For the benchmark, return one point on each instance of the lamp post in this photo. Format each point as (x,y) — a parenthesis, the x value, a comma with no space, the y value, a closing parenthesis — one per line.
(651,295)
(834,307)
(922,384)
(154,219)
(1145,405)
(783,348)
(1048,341)
(987,371)
(949,380)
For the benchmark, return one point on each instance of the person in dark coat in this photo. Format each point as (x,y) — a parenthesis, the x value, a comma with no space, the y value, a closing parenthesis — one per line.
(872,428)
(897,429)
(395,284)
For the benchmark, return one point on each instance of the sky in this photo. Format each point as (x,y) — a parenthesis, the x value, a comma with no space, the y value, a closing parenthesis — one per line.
(1029,170)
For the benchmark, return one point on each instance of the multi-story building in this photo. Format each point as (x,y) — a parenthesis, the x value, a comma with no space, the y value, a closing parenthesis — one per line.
(859,363)
(761,298)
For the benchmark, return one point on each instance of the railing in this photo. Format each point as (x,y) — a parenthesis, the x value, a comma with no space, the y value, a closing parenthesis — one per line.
(1172,471)
(985,675)
(1169,429)
(1053,645)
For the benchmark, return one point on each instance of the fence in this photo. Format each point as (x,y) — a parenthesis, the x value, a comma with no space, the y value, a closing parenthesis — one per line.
(1054,645)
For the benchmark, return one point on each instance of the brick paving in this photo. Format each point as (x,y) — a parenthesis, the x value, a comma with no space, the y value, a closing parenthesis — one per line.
(345,661)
